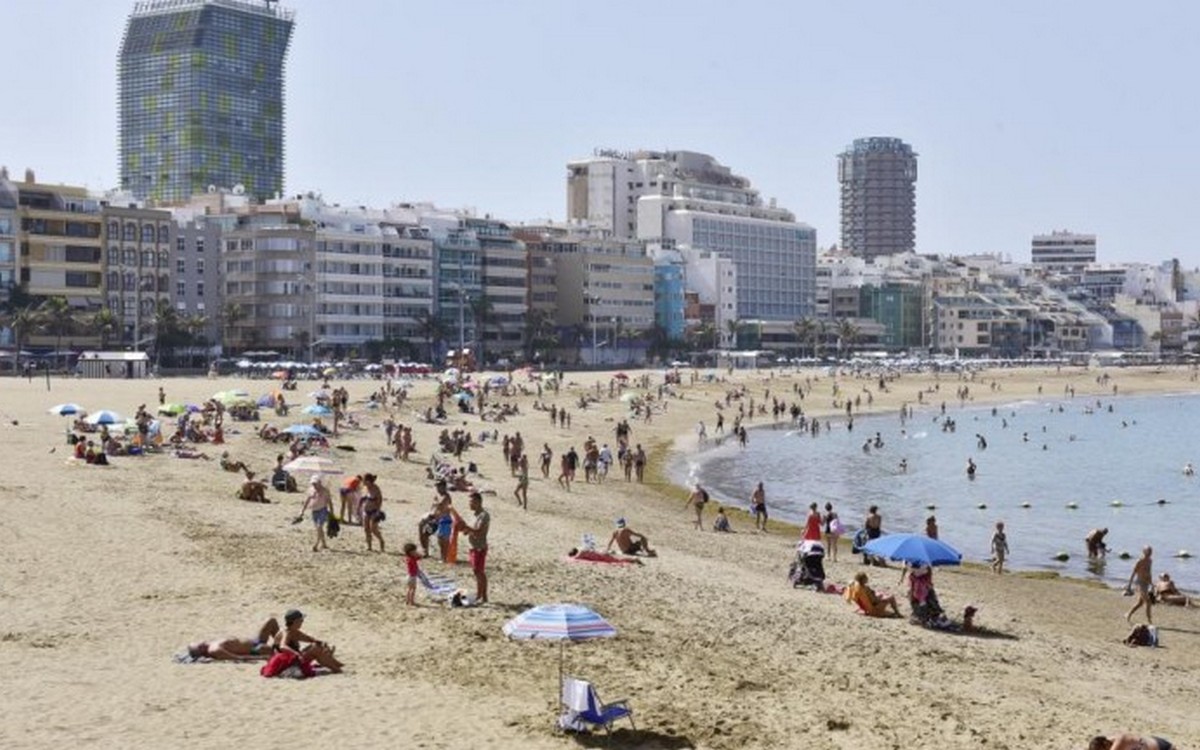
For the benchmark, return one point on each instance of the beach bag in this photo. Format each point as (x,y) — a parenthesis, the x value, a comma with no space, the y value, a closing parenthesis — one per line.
(835,527)
(332,527)
(703,496)
(1142,635)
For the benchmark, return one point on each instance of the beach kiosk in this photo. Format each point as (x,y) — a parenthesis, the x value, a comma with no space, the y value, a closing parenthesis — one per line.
(119,365)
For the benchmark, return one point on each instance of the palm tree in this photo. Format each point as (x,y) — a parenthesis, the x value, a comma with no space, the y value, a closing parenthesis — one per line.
(805,328)
(734,327)
(819,338)
(482,313)
(104,323)
(618,331)
(166,324)
(432,331)
(847,334)
(58,316)
(231,314)
(22,321)
(539,330)
(195,326)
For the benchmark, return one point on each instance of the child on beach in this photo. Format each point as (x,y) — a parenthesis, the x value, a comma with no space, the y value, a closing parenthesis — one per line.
(412,564)
(999,548)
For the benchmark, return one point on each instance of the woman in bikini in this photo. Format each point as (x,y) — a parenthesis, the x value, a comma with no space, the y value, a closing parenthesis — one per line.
(293,639)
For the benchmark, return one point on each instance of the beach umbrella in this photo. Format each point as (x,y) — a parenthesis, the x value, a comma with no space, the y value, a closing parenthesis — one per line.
(193,409)
(279,374)
(306,430)
(172,410)
(104,416)
(913,548)
(621,376)
(329,372)
(462,396)
(498,380)
(629,397)
(317,410)
(312,465)
(230,395)
(266,400)
(558,622)
(67,410)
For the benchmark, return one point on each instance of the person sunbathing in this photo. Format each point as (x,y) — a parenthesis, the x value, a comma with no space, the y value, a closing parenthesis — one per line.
(629,541)
(253,490)
(230,465)
(1129,742)
(871,603)
(256,648)
(1167,593)
(588,555)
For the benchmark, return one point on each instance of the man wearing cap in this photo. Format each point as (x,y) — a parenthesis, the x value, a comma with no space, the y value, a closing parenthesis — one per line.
(320,502)
(629,541)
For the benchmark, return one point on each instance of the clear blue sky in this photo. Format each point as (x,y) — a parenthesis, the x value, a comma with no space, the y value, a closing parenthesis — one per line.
(1028,115)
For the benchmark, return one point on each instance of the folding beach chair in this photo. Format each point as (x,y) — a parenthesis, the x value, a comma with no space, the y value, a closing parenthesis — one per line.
(438,588)
(584,709)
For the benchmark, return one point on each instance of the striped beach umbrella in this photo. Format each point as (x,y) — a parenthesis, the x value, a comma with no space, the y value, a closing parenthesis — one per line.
(67,410)
(559,622)
(104,416)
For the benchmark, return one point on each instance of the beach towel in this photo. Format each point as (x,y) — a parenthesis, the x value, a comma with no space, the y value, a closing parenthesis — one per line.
(590,556)
(287,664)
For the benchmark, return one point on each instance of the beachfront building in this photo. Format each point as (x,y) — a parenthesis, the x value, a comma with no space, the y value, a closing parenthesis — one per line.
(669,287)
(138,243)
(604,291)
(1063,253)
(201,97)
(899,307)
(199,227)
(688,200)
(9,248)
(878,178)
(60,239)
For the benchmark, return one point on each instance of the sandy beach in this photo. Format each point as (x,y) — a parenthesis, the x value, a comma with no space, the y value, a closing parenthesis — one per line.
(106,572)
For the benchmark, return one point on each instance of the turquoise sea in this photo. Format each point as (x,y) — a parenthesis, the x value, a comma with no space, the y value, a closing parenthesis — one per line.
(1077,463)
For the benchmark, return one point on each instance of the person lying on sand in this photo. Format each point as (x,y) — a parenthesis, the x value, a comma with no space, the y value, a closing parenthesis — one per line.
(1129,742)
(629,541)
(256,648)
(253,490)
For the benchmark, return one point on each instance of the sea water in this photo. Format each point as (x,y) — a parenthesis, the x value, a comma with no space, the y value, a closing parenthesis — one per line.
(1057,470)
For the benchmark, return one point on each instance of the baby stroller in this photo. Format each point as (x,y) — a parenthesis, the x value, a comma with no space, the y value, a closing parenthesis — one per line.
(808,569)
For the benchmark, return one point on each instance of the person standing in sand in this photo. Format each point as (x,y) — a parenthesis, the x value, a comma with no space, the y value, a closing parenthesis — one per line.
(477,535)
(812,524)
(833,531)
(758,506)
(1141,582)
(698,499)
(372,510)
(320,502)
(999,548)
(522,490)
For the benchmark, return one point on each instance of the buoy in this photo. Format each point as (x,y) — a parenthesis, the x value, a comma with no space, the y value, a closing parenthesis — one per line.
(1062,557)
(1072,506)
(1117,504)
(931,506)
(1124,555)
(982,506)
(1183,553)
(1026,505)
(1162,501)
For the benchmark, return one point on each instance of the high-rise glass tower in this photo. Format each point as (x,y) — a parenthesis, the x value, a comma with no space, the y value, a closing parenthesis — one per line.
(879,197)
(201,97)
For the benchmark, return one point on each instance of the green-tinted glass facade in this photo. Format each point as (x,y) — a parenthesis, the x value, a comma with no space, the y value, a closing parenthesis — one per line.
(901,310)
(201,97)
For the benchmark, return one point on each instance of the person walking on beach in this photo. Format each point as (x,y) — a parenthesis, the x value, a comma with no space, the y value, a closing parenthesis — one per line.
(372,510)
(522,490)
(698,499)
(812,524)
(833,531)
(758,506)
(1141,582)
(999,548)
(320,502)
(639,463)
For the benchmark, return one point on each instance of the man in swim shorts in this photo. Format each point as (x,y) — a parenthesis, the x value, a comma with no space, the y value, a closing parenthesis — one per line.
(1141,581)
(629,541)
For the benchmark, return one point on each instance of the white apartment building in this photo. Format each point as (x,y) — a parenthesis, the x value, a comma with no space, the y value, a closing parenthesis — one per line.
(685,199)
(1064,252)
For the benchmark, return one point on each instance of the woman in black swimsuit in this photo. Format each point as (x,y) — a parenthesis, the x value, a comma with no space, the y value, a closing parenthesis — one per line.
(293,639)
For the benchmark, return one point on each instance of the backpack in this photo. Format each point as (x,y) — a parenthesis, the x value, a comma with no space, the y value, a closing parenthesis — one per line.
(1142,635)
(703,496)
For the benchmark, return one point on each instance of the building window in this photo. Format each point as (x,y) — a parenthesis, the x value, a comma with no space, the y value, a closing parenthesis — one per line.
(180,266)
(199,244)
(164,234)
(200,265)
(199,288)
(180,245)
(180,289)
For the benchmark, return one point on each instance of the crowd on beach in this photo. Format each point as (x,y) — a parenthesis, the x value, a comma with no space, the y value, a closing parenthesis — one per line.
(435,533)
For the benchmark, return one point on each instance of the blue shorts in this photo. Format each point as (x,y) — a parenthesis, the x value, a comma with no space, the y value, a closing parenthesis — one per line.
(319,517)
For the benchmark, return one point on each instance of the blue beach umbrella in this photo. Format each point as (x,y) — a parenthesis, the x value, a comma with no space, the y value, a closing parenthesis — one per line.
(306,430)
(913,548)
(67,410)
(104,416)
(558,622)
(317,410)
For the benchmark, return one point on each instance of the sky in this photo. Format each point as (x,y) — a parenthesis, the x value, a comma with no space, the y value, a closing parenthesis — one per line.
(1028,116)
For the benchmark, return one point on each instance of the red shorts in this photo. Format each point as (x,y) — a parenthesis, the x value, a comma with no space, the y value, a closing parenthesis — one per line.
(478,558)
